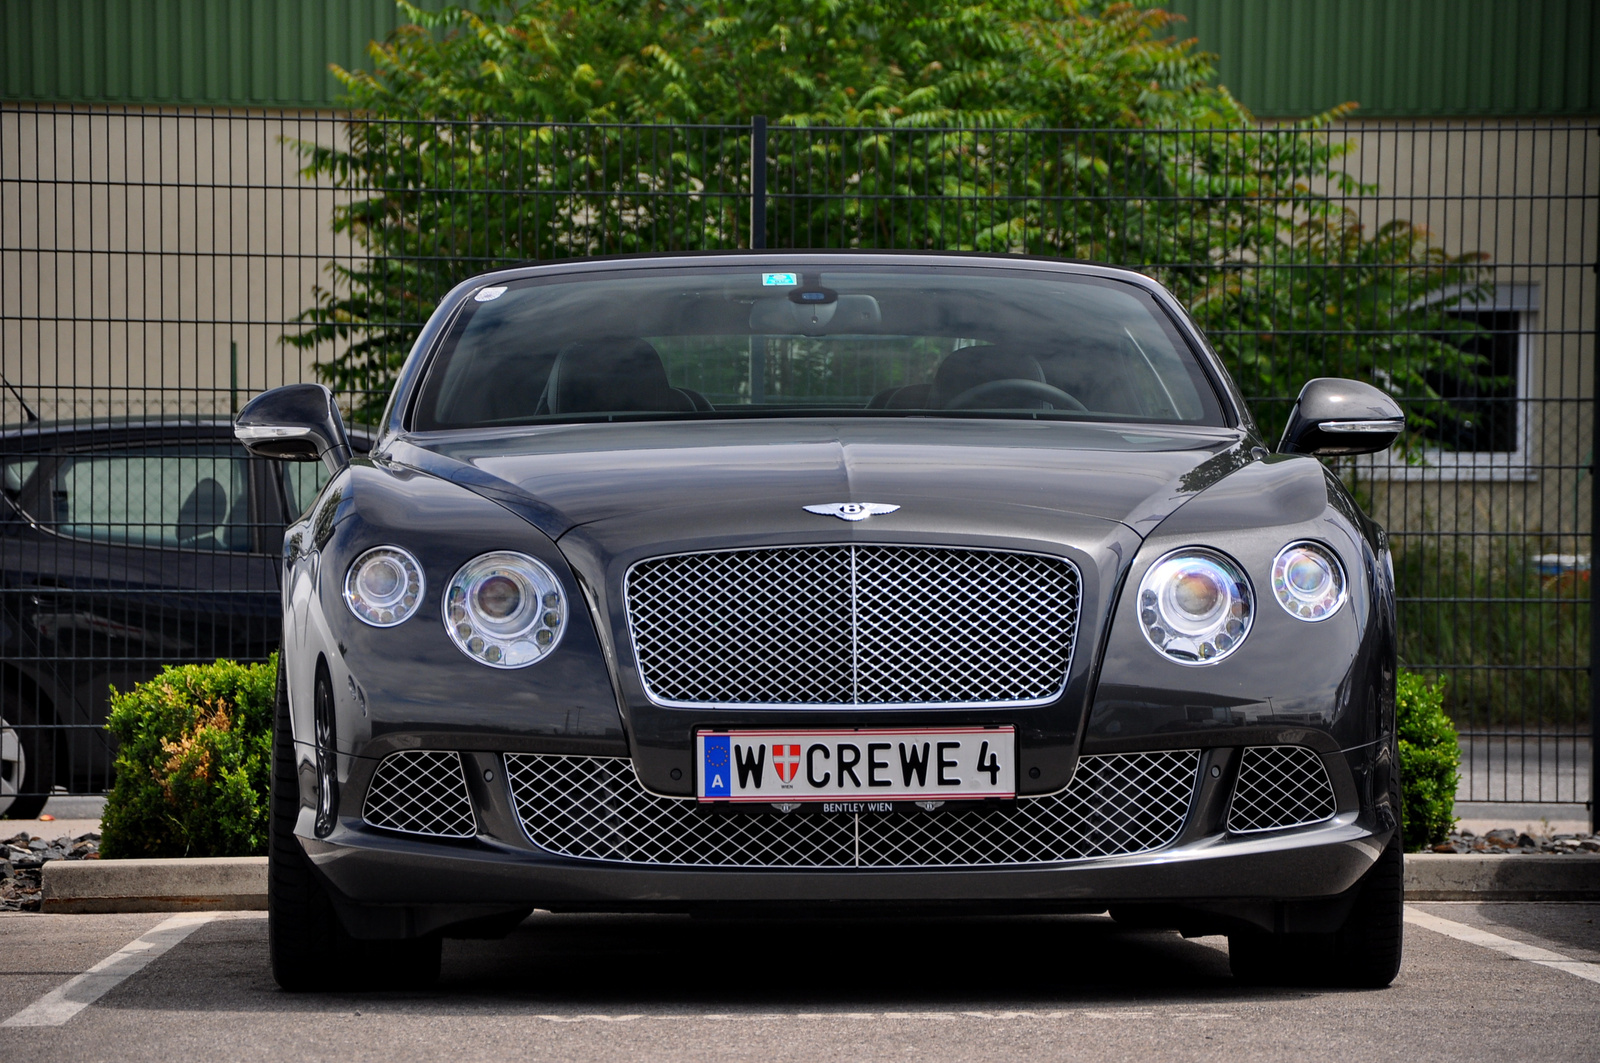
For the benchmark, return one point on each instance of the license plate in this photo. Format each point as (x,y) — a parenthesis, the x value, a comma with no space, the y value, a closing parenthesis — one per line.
(939,763)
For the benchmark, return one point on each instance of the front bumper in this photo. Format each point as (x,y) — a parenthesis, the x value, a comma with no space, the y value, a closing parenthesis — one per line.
(387,884)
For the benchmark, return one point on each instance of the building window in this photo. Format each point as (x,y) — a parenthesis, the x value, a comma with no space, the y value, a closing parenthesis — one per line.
(1486,431)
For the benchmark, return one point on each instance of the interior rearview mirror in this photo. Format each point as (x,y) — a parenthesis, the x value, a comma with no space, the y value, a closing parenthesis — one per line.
(787,316)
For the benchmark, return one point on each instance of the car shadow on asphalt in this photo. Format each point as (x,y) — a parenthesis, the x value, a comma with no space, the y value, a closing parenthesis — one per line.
(674,964)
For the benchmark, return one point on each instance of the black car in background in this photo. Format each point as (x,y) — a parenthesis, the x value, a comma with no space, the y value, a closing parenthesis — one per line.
(125,545)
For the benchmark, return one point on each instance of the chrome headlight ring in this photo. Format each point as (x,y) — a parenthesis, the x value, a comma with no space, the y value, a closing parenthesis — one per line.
(505,609)
(384,586)
(1308,581)
(1195,605)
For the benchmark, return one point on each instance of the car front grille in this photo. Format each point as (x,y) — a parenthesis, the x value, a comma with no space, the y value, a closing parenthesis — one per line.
(1280,786)
(595,808)
(853,625)
(421,791)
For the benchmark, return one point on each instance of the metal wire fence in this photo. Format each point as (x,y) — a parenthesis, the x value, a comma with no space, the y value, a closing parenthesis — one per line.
(159,267)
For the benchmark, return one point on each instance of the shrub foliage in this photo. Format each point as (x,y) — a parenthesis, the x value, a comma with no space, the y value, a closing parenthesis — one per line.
(192,762)
(1429,756)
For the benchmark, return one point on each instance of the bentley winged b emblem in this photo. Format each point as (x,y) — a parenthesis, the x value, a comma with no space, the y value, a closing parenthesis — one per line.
(851,510)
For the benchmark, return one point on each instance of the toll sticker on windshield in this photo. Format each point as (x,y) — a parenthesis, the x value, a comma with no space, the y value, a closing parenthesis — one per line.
(779,280)
(489,293)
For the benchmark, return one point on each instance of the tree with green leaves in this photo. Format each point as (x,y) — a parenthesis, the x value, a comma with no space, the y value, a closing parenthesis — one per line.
(1069,128)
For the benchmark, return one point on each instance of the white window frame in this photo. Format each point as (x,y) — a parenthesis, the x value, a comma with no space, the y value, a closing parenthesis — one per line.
(1505,465)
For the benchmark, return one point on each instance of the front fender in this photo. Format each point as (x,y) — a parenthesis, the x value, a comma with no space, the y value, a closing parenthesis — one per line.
(399,687)
(1327,685)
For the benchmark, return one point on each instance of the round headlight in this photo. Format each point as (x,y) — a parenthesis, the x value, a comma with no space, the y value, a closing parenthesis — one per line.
(1195,606)
(384,586)
(505,609)
(1308,581)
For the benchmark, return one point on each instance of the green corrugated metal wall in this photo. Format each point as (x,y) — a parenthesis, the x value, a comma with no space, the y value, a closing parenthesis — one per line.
(1281,57)
(1403,57)
(241,53)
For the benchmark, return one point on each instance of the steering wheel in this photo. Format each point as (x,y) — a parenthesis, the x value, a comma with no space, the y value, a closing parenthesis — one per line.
(985,395)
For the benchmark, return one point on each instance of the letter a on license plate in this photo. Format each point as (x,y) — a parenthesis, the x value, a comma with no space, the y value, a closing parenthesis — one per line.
(938,763)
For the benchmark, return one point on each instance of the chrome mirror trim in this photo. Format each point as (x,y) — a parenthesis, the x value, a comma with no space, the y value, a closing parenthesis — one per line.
(1343,427)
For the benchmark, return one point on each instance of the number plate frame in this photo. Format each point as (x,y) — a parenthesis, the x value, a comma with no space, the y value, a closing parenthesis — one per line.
(785,764)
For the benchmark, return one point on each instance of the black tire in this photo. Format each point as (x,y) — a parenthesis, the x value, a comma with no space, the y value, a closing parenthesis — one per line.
(309,947)
(1367,948)
(1363,954)
(28,763)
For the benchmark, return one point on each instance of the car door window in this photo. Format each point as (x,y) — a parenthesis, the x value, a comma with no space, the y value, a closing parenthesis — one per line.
(193,496)
(304,481)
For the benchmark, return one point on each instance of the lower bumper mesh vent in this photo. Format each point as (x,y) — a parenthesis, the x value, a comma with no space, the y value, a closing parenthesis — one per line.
(421,791)
(595,808)
(1280,786)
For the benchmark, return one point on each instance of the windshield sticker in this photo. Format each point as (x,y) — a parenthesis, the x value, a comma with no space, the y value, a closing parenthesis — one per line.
(489,293)
(778,280)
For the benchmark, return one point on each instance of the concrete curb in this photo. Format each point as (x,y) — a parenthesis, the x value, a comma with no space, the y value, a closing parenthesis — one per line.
(1517,877)
(212,884)
(239,883)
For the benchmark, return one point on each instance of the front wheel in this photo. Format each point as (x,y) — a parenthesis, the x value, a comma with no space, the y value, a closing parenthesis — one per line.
(310,950)
(1364,953)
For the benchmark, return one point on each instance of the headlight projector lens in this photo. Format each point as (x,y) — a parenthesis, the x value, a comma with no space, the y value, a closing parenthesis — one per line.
(384,586)
(505,609)
(1308,581)
(1195,606)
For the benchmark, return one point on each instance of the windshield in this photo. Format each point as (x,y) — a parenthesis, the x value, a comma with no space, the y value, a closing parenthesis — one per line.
(880,341)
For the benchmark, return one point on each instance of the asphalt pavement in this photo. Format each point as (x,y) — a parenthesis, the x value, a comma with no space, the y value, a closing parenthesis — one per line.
(1481,981)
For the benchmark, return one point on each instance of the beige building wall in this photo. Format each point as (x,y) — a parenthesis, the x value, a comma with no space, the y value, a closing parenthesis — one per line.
(1523,193)
(140,247)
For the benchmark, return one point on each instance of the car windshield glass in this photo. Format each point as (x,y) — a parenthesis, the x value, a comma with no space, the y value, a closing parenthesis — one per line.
(717,342)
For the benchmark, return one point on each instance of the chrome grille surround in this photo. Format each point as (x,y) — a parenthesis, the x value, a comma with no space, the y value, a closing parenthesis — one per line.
(853,625)
(1278,787)
(421,791)
(594,808)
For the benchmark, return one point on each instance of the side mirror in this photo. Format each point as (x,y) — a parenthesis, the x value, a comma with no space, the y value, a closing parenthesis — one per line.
(297,422)
(1334,416)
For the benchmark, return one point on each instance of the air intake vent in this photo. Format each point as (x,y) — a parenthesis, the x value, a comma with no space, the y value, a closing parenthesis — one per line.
(853,625)
(594,808)
(421,791)
(1280,786)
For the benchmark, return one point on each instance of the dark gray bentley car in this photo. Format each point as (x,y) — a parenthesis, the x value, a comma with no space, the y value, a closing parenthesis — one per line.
(813,582)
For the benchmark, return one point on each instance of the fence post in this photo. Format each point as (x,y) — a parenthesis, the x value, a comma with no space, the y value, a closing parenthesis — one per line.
(1594,544)
(758,182)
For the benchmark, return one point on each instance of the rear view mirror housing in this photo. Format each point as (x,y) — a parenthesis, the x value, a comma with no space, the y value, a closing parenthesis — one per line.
(830,313)
(1333,416)
(297,422)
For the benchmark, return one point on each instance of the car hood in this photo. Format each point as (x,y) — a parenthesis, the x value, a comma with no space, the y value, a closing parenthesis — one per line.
(746,480)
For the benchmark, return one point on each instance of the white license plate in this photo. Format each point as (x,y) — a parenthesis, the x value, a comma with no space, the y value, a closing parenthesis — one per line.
(911,764)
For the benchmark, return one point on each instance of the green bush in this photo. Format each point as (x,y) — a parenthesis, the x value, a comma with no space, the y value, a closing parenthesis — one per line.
(1429,755)
(192,764)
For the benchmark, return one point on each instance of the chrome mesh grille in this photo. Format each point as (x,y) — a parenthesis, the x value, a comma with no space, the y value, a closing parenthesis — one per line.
(421,791)
(595,808)
(853,625)
(1280,786)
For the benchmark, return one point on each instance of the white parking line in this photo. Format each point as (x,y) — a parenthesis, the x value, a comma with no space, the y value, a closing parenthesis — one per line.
(71,997)
(1515,949)
(872,1016)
